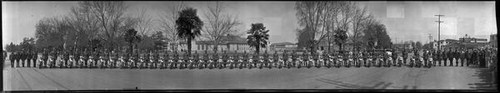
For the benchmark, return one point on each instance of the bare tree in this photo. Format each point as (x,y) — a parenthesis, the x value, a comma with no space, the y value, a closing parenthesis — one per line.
(322,18)
(111,19)
(144,22)
(219,24)
(358,25)
(311,15)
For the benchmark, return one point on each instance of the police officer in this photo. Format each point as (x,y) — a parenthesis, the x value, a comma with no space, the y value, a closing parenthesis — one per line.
(12,59)
(45,57)
(65,57)
(482,58)
(114,58)
(34,57)
(17,58)
(29,57)
(469,57)
(450,56)
(442,58)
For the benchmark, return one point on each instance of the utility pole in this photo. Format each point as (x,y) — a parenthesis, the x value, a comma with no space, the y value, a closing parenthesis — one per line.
(439,30)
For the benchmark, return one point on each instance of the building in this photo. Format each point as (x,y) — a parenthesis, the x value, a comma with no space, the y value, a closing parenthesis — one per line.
(465,42)
(228,43)
(473,40)
(283,46)
(493,41)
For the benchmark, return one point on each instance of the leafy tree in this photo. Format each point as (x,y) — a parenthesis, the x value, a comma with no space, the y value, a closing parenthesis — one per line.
(11,47)
(340,38)
(95,43)
(376,36)
(418,45)
(189,26)
(258,36)
(50,32)
(147,42)
(28,44)
(131,37)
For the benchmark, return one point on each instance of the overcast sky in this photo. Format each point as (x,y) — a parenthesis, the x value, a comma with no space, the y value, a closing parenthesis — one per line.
(404,20)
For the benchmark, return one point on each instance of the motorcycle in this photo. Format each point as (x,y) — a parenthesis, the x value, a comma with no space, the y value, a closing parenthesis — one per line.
(220,63)
(369,61)
(282,62)
(400,61)
(120,63)
(100,62)
(81,62)
(349,62)
(430,62)
(319,62)
(161,63)
(412,62)
(269,63)
(260,62)
(339,62)
(211,63)
(201,62)
(249,63)
(132,62)
(389,62)
(181,62)
(90,62)
(71,61)
(191,64)
(359,62)
(289,62)
(240,62)
(299,62)
(420,62)
(151,62)
(329,61)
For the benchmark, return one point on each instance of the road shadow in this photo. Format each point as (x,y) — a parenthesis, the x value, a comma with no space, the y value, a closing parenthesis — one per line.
(486,79)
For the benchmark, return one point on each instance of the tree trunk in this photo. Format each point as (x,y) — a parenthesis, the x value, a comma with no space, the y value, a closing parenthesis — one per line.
(340,47)
(257,48)
(189,45)
(130,49)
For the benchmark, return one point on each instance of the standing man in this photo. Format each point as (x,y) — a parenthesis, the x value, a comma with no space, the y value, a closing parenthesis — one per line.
(468,55)
(45,57)
(16,58)
(11,59)
(65,57)
(405,56)
(29,57)
(462,57)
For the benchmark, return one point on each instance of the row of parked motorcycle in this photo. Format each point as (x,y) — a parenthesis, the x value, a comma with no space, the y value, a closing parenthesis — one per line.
(231,62)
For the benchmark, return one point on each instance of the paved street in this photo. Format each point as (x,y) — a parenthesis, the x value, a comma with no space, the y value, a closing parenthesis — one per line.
(314,78)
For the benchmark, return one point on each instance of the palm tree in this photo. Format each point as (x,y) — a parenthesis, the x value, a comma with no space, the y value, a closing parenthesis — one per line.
(258,36)
(188,26)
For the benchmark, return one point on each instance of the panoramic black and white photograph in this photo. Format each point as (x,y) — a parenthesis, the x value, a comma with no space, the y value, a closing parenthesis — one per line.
(249,45)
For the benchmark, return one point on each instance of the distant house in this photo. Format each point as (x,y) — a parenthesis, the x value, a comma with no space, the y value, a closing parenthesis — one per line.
(473,40)
(402,46)
(444,42)
(282,46)
(228,43)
